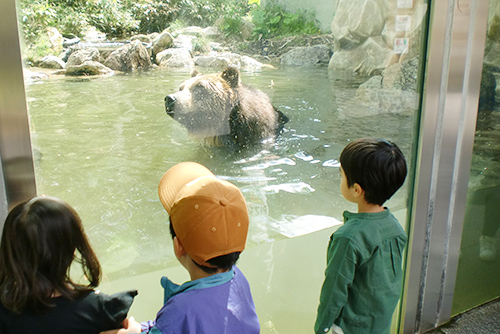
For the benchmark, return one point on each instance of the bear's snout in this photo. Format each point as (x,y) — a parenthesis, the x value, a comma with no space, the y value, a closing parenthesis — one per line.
(170,104)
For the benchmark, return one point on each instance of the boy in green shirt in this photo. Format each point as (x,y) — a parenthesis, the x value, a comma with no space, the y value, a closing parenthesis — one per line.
(364,272)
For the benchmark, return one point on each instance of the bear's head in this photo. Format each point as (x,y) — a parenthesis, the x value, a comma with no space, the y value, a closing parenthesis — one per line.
(204,102)
(220,110)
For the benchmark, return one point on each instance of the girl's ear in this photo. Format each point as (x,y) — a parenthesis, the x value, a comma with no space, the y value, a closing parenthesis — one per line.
(178,248)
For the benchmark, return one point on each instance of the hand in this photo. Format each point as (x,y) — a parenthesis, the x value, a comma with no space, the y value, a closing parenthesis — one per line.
(130,325)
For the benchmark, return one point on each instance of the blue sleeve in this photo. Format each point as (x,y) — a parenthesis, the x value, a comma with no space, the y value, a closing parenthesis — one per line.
(339,275)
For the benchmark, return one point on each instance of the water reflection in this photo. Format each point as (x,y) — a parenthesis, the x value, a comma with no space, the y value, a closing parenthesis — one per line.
(103,143)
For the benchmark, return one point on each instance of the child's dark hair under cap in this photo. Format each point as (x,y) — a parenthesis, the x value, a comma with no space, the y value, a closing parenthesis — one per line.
(377,165)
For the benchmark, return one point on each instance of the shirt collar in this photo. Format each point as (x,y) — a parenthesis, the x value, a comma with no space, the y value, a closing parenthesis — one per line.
(172,289)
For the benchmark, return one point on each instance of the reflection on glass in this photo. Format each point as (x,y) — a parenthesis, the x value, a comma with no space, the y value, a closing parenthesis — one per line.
(102,144)
(479,265)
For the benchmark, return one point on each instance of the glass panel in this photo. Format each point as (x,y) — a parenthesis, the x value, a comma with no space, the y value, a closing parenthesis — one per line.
(102,143)
(479,265)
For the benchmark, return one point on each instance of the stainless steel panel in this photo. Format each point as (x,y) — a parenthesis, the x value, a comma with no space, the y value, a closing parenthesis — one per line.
(15,147)
(456,44)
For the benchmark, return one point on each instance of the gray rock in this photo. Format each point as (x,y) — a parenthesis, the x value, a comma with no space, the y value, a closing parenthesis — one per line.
(130,57)
(51,61)
(88,68)
(162,42)
(142,38)
(370,58)
(307,56)
(356,20)
(80,56)
(174,58)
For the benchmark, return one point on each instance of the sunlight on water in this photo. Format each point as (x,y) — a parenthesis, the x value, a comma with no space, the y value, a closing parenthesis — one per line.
(102,144)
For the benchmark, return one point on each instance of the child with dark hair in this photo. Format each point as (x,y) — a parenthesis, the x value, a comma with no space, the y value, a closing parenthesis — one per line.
(40,241)
(209,226)
(363,278)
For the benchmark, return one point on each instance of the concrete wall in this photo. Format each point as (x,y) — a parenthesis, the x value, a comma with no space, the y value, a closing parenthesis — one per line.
(323,10)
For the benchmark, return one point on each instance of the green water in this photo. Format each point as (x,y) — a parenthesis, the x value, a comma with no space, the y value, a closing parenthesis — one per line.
(102,144)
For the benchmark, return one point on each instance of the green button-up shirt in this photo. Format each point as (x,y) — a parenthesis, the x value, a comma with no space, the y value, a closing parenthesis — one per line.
(364,274)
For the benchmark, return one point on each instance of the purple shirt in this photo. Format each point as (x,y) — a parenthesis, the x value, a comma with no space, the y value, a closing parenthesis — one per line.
(217,304)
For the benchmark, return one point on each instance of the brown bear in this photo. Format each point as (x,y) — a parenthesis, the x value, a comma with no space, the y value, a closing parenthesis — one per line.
(220,110)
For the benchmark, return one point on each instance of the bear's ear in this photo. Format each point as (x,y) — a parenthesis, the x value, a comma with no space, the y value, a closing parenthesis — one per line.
(232,75)
(195,73)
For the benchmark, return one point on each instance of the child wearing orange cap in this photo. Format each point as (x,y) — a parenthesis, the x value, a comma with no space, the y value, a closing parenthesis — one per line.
(209,226)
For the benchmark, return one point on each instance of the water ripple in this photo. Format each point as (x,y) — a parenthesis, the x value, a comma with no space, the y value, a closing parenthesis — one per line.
(293,188)
(331,163)
(267,164)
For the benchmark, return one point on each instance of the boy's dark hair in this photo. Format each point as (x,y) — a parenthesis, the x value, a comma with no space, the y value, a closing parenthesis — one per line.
(39,243)
(224,262)
(378,166)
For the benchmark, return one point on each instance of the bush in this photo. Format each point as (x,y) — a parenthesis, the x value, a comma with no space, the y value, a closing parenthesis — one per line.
(274,21)
(155,16)
(111,17)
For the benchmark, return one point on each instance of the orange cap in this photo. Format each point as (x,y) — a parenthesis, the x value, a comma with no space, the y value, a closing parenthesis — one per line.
(209,215)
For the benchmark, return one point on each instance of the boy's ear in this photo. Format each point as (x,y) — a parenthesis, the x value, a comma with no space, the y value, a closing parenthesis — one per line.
(178,248)
(358,191)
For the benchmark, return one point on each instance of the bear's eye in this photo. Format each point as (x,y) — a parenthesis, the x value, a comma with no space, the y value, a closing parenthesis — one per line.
(181,88)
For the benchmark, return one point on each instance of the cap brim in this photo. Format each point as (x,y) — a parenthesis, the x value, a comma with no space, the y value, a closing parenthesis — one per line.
(177,177)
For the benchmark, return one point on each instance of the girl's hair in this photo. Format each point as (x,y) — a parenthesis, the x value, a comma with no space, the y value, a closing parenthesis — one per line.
(39,242)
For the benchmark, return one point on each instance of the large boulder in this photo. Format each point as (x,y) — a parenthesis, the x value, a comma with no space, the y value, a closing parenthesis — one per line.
(393,91)
(55,39)
(80,56)
(370,58)
(130,57)
(51,61)
(356,20)
(162,42)
(307,56)
(174,58)
(88,68)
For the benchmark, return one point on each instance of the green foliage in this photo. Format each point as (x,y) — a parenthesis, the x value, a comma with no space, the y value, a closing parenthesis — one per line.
(125,17)
(274,21)
(111,17)
(35,17)
(155,16)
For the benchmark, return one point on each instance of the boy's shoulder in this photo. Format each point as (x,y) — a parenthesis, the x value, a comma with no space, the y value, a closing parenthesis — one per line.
(369,225)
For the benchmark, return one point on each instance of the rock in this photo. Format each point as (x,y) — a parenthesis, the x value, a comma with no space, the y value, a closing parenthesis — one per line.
(55,39)
(93,35)
(69,42)
(307,56)
(51,61)
(184,42)
(395,90)
(402,76)
(249,64)
(194,31)
(357,20)
(30,76)
(174,58)
(65,54)
(80,56)
(88,68)
(370,58)
(130,57)
(211,32)
(212,61)
(142,38)
(162,42)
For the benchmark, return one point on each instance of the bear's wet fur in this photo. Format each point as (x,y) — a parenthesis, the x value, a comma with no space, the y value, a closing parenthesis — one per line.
(220,110)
